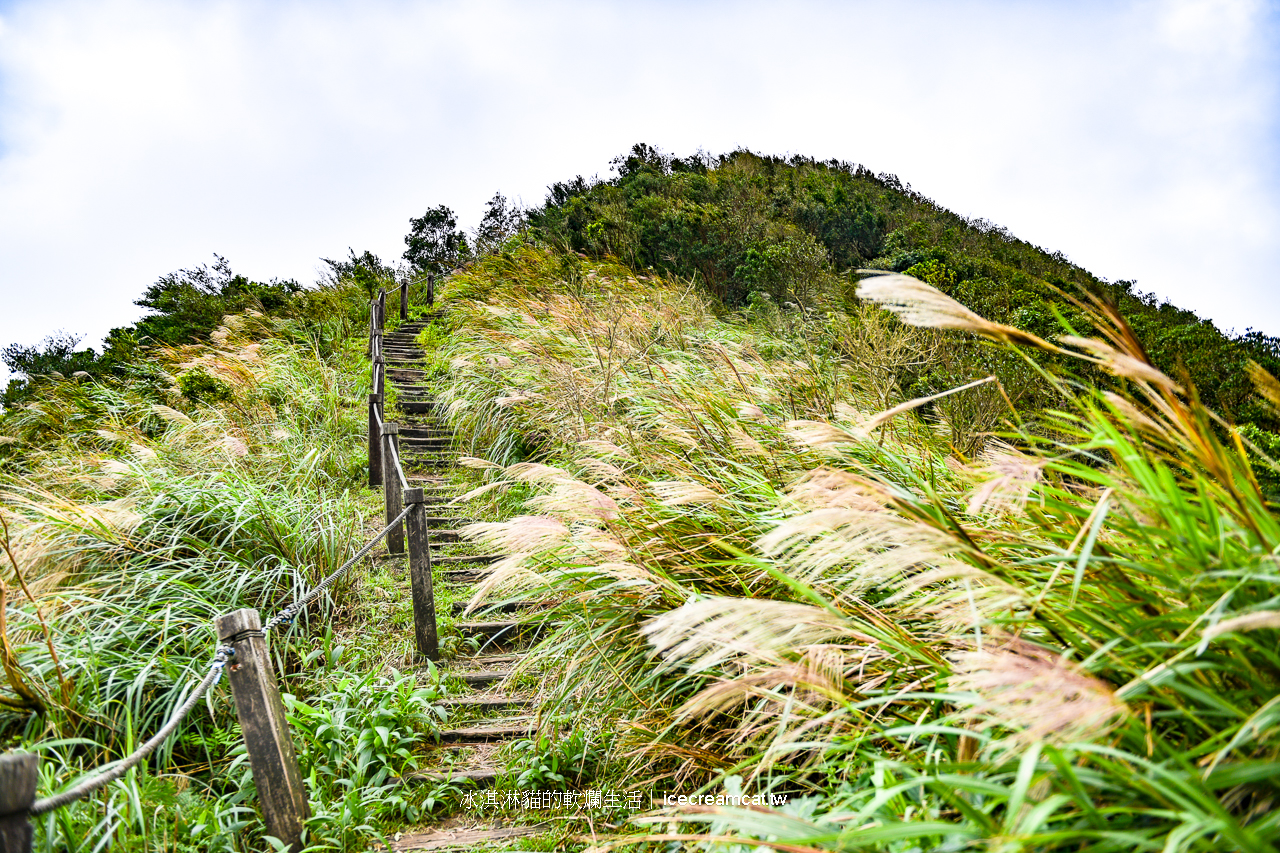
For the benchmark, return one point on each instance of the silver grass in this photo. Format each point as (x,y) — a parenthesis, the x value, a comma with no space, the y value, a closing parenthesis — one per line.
(855,548)
(684,493)
(477,492)
(607,449)
(1121,364)
(536,472)
(508,575)
(887,415)
(920,304)
(1247,622)
(708,632)
(171,415)
(823,436)
(1041,695)
(739,439)
(522,533)
(1009,478)
(824,488)
(574,499)
(600,471)
(476,462)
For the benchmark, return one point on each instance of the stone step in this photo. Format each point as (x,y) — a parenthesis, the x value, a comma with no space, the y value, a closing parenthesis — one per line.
(425,432)
(483,678)
(464,575)
(486,703)
(500,632)
(478,776)
(486,734)
(461,840)
(435,489)
(470,559)
(437,442)
(505,607)
(435,462)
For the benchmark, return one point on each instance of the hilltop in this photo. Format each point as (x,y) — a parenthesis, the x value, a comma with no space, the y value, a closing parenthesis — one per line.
(810,491)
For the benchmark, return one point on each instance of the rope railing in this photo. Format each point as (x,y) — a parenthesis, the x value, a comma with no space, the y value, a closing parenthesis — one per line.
(395,456)
(290,611)
(242,652)
(224,654)
(106,777)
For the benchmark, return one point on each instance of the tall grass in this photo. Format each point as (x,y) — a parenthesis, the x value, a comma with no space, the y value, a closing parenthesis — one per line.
(219,476)
(1060,637)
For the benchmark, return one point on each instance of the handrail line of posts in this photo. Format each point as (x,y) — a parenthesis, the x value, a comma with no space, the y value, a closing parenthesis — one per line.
(242,651)
(399,496)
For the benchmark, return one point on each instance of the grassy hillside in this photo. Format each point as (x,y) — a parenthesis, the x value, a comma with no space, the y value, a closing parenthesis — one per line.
(757,230)
(979,556)
(1063,640)
(140,503)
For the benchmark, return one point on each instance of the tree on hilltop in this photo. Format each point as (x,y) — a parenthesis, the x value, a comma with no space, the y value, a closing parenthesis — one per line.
(435,243)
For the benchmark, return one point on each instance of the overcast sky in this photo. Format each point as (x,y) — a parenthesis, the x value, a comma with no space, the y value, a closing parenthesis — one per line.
(1139,139)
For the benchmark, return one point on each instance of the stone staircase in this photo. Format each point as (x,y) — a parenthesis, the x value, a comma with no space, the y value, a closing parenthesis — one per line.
(489,708)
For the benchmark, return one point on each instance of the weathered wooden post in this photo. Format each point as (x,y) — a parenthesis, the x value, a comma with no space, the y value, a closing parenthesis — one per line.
(380,380)
(391,487)
(382,309)
(19,772)
(424,599)
(266,731)
(431,289)
(375,442)
(404,299)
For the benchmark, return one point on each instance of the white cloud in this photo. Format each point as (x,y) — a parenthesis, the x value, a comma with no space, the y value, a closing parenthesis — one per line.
(137,137)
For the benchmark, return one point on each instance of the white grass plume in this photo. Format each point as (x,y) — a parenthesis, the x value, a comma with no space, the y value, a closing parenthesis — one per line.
(684,493)
(575,500)
(1040,694)
(705,633)
(522,533)
(823,436)
(920,304)
(1122,364)
(855,548)
(887,415)
(1008,479)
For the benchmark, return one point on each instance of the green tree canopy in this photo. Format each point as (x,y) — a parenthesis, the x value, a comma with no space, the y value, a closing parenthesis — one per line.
(434,241)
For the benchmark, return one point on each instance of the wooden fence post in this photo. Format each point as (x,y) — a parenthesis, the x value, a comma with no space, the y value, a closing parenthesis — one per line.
(404,299)
(382,308)
(266,731)
(19,772)
(380,380)
(431,289)
(375,443)
(424,599)
(391,487)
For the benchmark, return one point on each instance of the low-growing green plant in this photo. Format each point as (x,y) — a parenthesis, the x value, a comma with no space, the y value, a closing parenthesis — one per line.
(543,762)
(364,731)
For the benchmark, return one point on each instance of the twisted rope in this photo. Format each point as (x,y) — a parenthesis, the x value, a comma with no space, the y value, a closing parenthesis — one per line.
(106,777)
(395,454)
(211,678)
(216,667)
(288,614)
